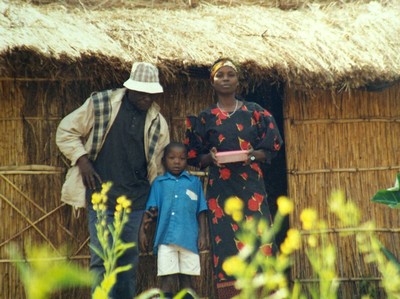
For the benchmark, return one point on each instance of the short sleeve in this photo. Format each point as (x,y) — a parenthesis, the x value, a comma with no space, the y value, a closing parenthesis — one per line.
(152,201)
(194,140)
(269,138)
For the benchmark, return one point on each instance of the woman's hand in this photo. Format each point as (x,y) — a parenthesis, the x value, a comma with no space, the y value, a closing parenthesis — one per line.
(213,153)
(255,155)
(209,159)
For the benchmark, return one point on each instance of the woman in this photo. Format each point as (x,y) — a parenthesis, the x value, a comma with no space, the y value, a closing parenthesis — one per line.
(231,125)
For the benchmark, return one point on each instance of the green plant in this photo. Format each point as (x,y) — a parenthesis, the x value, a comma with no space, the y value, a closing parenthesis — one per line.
(109,235)
(261,277)
(42,271)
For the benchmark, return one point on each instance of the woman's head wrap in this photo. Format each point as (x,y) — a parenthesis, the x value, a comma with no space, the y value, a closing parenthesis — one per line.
(219,64)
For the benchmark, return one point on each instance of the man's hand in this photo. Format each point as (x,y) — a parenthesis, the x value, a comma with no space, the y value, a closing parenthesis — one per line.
(143,240)
(89,175)
(148,218)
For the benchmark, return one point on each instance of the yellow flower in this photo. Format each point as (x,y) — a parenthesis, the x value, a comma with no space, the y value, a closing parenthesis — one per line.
(294,238)
(233,265)
(285,249)
(237,216)
(292,241)
(349,215)
(337,201)
(282,261)
(105,187)
(312,241)
(234,207)
(121,199)
(124,201)
(285,205)
(102,207)
(308,217)
(96,198)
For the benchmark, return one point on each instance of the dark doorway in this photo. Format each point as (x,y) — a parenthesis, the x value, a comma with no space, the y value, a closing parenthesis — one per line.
(270,96)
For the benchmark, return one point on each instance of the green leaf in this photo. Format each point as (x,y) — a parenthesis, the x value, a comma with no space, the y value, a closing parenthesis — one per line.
(183,293)
(390,196)
(390,256)
(150,294)
(98,251)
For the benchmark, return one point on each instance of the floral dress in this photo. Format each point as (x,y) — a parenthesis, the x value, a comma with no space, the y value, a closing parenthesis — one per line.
(250,124)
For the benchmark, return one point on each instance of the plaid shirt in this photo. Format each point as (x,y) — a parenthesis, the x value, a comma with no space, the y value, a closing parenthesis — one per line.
(102,113)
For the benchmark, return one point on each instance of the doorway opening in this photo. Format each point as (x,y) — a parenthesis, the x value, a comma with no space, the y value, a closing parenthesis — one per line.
(270,95)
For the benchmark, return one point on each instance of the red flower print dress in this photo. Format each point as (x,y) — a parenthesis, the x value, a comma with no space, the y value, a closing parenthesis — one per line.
(250,124)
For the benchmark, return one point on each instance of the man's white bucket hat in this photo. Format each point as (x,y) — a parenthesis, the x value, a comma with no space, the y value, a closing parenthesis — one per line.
(144,78)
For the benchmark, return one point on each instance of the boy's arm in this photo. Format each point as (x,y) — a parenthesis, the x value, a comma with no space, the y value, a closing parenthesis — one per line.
(203,241)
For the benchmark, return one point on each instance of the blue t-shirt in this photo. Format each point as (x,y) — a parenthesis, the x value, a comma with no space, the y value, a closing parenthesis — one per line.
(179,201)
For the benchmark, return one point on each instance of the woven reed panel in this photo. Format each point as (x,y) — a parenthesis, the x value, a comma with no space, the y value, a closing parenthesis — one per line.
(343,141)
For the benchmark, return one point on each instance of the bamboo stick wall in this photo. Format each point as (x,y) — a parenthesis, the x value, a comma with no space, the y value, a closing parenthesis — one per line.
(31,173)
(347,141)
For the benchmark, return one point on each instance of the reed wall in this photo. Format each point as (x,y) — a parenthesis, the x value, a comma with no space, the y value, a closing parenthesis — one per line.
(343,141)
(333,141)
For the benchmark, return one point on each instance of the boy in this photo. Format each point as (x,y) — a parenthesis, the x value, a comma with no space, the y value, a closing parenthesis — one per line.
(177,200)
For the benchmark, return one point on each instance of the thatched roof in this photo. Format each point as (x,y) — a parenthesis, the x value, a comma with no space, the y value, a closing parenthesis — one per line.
(336,45)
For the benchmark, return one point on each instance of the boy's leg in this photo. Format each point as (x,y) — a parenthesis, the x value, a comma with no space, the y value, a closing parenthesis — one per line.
(167,284)
(189,264)
(185,281)
(167,268)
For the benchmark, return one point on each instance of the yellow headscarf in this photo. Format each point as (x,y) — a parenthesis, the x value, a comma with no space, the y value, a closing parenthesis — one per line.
(219,64)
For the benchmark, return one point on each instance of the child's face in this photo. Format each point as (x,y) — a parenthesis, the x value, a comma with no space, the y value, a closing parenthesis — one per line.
(176,160)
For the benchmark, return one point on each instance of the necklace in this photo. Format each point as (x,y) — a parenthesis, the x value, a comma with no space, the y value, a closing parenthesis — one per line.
(227,113)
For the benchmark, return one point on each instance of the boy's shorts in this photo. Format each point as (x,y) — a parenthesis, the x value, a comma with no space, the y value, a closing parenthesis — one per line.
(173,259)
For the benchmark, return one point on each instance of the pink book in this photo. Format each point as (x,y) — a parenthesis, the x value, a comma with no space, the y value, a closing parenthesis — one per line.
(231,156)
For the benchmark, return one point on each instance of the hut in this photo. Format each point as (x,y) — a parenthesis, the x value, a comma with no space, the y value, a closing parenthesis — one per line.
(328,71)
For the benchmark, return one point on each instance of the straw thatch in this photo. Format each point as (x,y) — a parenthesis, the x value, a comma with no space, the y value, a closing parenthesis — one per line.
(337,45)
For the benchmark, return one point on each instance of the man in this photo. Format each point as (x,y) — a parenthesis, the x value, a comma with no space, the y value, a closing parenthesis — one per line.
(116,135)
